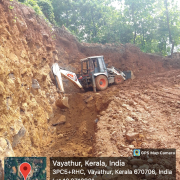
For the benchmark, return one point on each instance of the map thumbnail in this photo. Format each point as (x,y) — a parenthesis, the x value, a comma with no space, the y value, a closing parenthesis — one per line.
(12,170)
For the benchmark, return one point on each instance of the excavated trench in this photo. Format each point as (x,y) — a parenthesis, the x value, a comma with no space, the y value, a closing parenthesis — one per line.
(74,128)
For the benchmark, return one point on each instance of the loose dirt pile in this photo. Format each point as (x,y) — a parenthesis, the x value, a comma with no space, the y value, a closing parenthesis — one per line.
(143,110)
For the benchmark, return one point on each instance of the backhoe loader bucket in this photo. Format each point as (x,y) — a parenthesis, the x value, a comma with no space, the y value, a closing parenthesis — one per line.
(129,74)
(62,102)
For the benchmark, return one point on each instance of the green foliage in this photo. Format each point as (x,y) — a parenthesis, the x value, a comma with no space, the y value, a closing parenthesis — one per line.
(41,7)
(34,5)
(141,22)
(47,9)
(11,7)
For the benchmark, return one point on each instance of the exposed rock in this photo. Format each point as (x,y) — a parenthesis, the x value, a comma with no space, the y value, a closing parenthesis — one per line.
(99,154)
(60,136)
(129,119)
(18,136)
(68,125)
(61,120)
(89,99)
(1,171)
(131,146)
(5,151)
(3,144)
(46,35)
(35,84)
(52,129)
(130,136)
(2,90)
(21,25)
(90,150)
(102,113)
(26,11)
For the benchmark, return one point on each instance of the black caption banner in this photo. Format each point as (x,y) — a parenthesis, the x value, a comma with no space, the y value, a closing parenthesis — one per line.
(145,164)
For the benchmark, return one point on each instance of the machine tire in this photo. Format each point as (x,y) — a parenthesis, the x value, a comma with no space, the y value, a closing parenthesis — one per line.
(118,79)
(101,82)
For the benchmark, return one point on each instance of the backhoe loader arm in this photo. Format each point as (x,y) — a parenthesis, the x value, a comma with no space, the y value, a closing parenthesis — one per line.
(62,102)
(57,73)
(67,74)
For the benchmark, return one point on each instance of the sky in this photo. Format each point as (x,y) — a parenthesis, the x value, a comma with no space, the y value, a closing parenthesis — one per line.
(116,4)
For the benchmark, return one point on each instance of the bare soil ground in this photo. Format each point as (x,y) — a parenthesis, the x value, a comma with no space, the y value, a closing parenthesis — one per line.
(147,106)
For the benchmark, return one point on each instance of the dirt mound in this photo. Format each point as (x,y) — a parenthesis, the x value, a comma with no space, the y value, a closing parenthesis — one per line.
(124,57)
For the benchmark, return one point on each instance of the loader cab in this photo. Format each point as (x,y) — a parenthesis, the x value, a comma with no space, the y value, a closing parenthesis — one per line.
(94,73)
(93,66)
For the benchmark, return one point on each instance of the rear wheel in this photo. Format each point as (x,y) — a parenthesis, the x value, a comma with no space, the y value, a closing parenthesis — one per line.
(118,79)
(101,82)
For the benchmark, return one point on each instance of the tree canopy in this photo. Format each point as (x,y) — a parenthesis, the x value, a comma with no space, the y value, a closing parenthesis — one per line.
(152,25)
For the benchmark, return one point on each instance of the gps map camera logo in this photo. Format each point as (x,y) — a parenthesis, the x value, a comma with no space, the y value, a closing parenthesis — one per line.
(136,152)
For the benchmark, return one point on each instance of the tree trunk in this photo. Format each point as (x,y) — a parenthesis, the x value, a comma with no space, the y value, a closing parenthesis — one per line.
(143,44)
(135,36)
(134,21)
(170,36)
(94,26)
(172,49)
(67,20)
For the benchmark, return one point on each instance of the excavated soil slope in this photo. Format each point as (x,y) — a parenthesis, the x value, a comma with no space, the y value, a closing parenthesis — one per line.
(140,113)
(26,49)
(124,57)
(96,124)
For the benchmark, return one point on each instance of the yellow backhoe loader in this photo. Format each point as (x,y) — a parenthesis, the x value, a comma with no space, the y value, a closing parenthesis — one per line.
(94,73)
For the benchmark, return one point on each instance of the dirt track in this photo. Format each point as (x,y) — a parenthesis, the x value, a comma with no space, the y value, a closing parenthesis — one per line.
(148,106)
